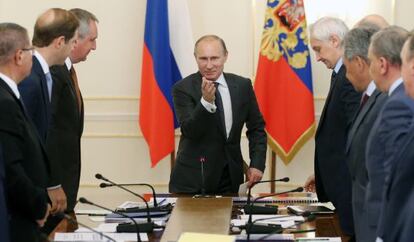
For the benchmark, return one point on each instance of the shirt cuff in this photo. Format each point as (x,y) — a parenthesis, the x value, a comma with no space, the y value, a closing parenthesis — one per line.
(211,108)
(54,187)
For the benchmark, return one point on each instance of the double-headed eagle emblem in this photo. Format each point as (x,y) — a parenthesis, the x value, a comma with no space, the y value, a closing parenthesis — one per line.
(285,32)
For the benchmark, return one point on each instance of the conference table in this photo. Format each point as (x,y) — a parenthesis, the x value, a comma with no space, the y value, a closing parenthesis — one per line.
(213,216)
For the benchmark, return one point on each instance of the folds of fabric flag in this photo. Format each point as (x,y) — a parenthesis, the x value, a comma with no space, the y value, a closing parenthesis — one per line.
(165,60)
(283,82)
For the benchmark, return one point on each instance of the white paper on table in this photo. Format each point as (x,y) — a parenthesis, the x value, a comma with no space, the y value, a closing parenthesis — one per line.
(278,237)
(284,224)
(98,237)
(243,189)
(270,217)
(164,200)
(319,239)
(130,204)
(92,212)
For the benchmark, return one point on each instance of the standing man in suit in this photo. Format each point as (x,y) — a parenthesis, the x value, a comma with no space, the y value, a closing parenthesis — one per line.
(23,153)
(332,179)
(212,108)
(63,142)
(356,43)
(4,218)
(401,179)
(54,38)
(389,131)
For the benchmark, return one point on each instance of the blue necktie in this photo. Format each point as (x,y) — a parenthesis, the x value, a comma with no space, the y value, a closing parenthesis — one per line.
(49,83)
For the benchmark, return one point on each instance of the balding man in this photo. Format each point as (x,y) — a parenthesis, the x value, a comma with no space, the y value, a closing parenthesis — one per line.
(25,159)
(390,130)
(64,135)
(332,179)
(372,20)
(54,38)
(212,108)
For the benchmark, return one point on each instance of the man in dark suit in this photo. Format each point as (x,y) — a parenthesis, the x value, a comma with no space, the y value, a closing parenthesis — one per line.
(212,107)
(397,208)
(356,43)
(4,218)
(394,120)
(53,38)
(25,158)
(63,142)
(332,179)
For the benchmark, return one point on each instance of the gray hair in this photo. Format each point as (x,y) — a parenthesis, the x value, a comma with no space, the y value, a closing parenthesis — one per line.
(388,43)
(325,27)
(84,17)
(211,37)
(356,42)
(410,43)
(12,38)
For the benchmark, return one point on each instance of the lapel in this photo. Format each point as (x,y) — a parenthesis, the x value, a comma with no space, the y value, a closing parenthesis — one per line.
(26,117)
(235,99)
(334,82)
(360,116)
(72,88)
(37,69)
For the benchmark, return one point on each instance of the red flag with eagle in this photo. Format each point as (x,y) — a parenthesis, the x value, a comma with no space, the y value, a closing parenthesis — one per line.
(283,82)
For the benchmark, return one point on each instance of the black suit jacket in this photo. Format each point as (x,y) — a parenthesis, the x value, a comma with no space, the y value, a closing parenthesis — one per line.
(4,218)
(63,143)
(203,136)
(33,91)
(27,168)
(355,150)
(333,181)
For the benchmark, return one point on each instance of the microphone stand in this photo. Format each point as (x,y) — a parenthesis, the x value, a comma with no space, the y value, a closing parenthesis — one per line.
(85,201)
(145,227)
(203,184)
(157,208)
(249,209)
(260,228)
(310,218)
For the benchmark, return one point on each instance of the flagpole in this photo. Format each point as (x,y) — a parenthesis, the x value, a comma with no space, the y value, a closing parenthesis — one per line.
(272,171)
(172,159)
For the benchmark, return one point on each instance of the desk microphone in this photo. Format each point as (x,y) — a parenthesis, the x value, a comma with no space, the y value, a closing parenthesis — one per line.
(203,181)
(310,218)
(248,209)
(252,228)
(147,227)
(62,215)
(157,208)
(103,185)
(85,201)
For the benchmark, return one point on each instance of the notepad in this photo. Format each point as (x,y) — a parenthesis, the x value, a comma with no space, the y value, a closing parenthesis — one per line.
(317,210)
(200,237)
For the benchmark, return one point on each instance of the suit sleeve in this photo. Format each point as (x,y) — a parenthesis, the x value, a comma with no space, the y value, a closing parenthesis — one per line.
(194,119)
(22,193)
(256,132)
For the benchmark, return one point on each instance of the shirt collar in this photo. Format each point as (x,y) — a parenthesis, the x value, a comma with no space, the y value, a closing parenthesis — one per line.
(371,88)
(338,65)
(11,84)
(395,85)
(221,80)
(68,63)
(42,61)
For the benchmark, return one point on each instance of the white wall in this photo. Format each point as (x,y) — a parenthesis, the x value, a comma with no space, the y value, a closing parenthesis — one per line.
(110,79)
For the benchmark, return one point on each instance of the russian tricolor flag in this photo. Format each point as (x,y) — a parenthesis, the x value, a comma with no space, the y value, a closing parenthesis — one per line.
(167,57)
(283,83)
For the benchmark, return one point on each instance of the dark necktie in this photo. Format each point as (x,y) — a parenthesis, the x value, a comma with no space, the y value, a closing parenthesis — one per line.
(219,105)
(333,76)
(76,86)
(364,100)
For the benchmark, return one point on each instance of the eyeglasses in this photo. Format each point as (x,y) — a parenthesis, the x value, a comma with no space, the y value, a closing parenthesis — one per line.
(31,49)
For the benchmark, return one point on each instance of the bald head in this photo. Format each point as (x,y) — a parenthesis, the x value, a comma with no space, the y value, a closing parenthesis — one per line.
(54,23)
(372,21)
